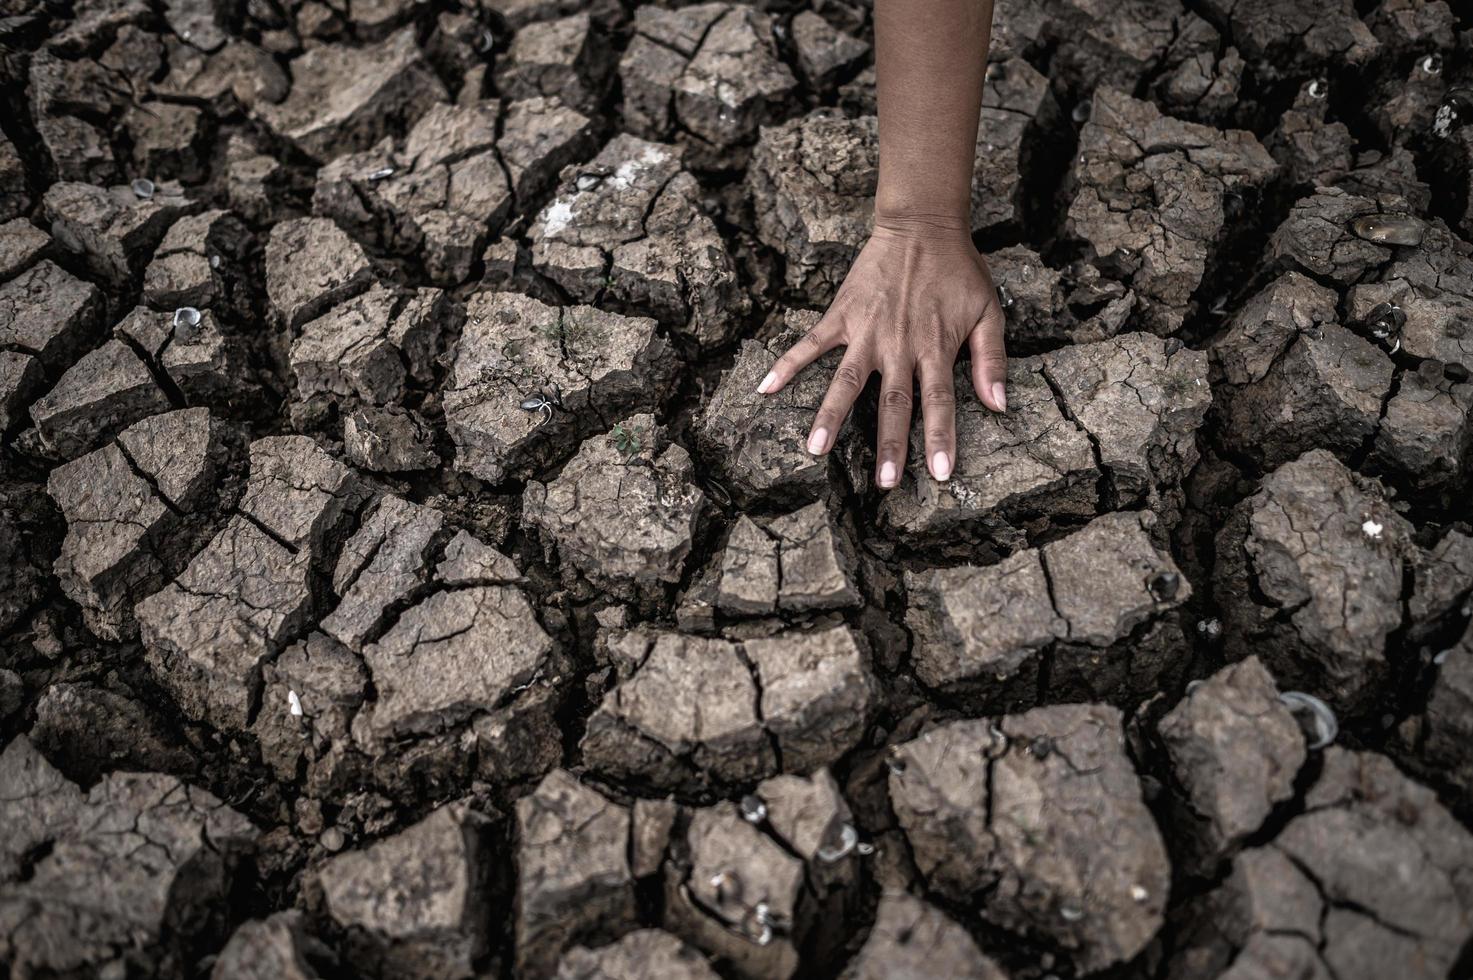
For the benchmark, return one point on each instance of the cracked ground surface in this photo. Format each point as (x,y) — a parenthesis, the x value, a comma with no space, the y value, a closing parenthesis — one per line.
(400,576)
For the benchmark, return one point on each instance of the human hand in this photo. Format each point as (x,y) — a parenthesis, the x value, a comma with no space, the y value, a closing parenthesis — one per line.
(916,293)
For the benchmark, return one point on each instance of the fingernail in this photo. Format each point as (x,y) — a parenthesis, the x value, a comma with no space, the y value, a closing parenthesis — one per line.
(767,382)
(819,441)
(941,466)
(887,475)
(1000,395)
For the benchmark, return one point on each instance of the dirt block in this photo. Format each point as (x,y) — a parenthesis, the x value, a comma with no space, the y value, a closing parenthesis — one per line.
(569,59)
(629,228)
(112,229)
(418,904)
(389,440)
(574,884)
(586,365)
(107,390)
(277,947)
(1014,808)
(1311,579)
(1235,750)
(914,940)
(344,99)
(49,315)
(624,511)
(311,265)
(642,953)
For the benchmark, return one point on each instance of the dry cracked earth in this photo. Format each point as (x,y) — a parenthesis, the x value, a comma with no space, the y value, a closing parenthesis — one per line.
(400,577)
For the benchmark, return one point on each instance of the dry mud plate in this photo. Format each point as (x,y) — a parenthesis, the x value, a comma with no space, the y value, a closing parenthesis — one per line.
(400,576)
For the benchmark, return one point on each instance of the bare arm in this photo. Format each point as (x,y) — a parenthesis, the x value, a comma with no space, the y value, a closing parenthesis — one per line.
(919,289)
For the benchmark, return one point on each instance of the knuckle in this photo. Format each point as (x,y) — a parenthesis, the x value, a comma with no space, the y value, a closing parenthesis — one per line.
(895,400)
(891,449)
(848,377)
(939,396)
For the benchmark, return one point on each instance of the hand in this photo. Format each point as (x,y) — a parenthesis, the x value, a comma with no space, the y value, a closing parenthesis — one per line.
(917,291)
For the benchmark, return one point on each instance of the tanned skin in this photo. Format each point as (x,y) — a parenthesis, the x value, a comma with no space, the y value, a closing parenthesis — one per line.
(919,290)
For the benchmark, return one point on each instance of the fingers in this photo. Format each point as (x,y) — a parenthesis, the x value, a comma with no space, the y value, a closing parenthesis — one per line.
(938,416)
(827,334)
(849,378)
(990,358)
(893,437)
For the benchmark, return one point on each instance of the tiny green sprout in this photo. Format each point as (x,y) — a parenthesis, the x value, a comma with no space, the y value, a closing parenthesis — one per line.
(626,441)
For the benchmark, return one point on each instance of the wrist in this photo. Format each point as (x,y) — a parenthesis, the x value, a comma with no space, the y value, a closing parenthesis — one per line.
(922,226)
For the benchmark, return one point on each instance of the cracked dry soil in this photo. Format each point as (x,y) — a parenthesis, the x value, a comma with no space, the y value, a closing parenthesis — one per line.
(400,576)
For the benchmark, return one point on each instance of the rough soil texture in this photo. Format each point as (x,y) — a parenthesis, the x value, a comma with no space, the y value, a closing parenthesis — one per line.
(400,576)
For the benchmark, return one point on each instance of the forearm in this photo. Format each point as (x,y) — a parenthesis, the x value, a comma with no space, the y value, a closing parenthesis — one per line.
(930,59)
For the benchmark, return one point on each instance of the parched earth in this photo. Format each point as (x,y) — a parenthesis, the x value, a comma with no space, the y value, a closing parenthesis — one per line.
(400,576)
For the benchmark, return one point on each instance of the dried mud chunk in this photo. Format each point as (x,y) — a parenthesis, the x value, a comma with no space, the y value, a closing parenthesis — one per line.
(1030,461)
(1325,390)
(1433,287)
(812,182)
(1267,324)
(297,492)
(567,58)
(1235,750)
(1316,237)
(1111,44)
(586,364)
(734,81)
(21,244)
(914,940)
(749,574)
(123,505)
(49,314)
(455,654)
(310,694)
(1142,404)
(30,531)
(417,903)
(21,376)
(108,389)
(194,21)
(1285,40)
(344,99)
(310,266)
(1312,579)
(642,953)
(629,226)
(138,879)
(198,262)
(15,197)
(1264,898)
(799,562)
(39,805)
(1413,25)
(657,55)
(389,440)
(112,229)
(1150,196)
(816,694)
(1441,581)
(1391,863)
(1015,102)
(573,879)
(253,183)
(624,510)
(1200,77)
(1427,430)
(1448,722)
(237,603)
(825,53)
(980,625)
(381,565)
(95,730)
(238,75)
(743,898)
(275,948)
(1018,815)
(757,440)
(372,346)
(168,140)
(688,716)
(205,364)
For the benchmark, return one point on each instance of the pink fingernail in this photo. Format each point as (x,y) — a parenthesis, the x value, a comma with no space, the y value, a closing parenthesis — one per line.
(941,466)
(767,382)
(1000,395)
(819,441)
(887,475)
